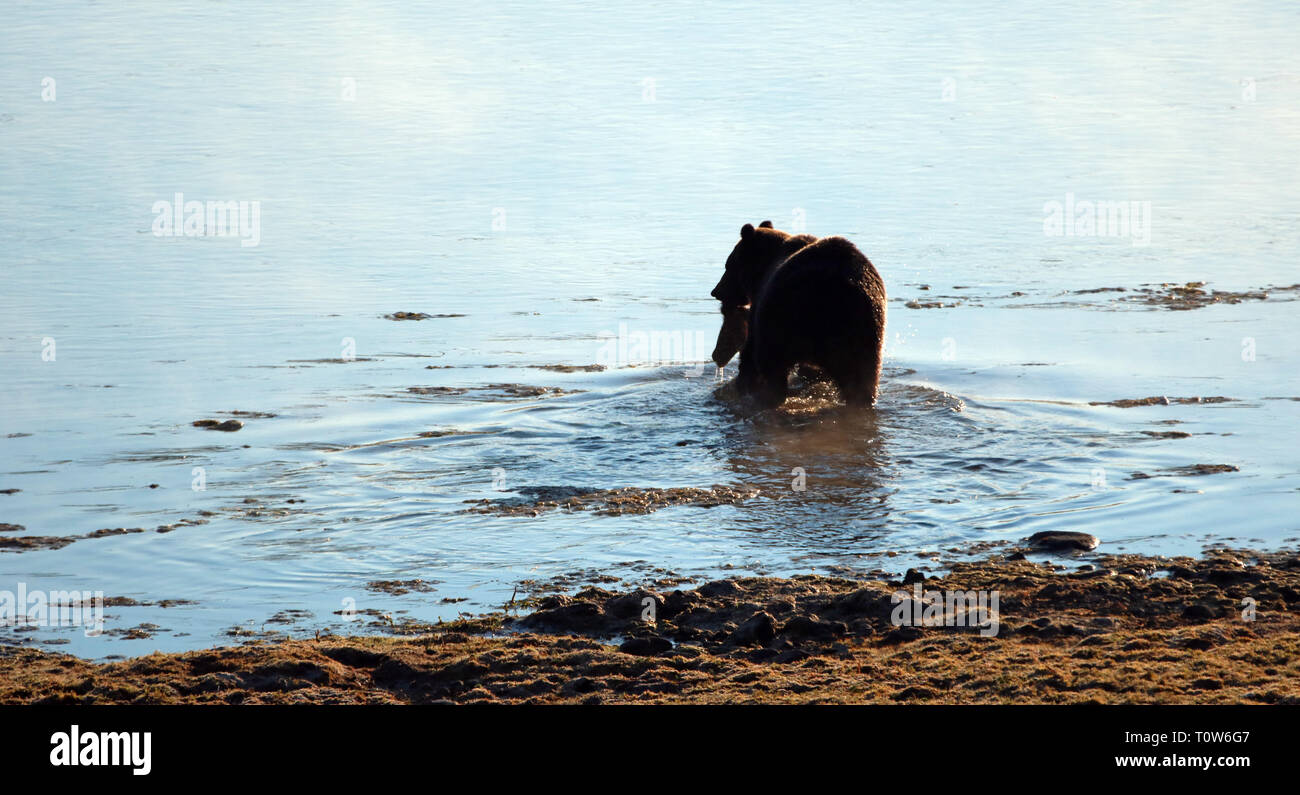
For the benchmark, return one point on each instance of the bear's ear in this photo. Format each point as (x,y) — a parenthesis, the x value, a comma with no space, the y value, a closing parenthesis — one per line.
(746,231)
(765,225)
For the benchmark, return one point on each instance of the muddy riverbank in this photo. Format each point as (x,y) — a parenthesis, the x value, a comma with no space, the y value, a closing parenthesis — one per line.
(1221,628)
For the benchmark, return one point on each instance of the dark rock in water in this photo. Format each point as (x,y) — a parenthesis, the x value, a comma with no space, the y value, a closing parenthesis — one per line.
(1064,539)
(1016,556)
(11,528)
(1198,612)
(646,647)
(213,425)
(21,543)
(1159,400)
(420,315)
(1203,469)
(105,532)
(758,630)
(913,576)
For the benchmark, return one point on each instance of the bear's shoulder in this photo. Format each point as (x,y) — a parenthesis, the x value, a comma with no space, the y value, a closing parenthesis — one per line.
(828,248)
(835,242)
(796,243)
(833,255)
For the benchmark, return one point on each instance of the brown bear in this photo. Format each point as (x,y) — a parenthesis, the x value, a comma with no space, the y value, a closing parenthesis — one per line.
(791,300)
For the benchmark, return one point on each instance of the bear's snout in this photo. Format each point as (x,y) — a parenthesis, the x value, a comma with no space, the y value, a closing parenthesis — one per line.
(729,293)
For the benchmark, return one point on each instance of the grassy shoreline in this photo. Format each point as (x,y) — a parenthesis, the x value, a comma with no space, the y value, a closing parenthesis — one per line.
(1127,629)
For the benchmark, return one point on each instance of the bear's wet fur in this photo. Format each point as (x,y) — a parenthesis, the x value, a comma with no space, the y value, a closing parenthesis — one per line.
(812,301)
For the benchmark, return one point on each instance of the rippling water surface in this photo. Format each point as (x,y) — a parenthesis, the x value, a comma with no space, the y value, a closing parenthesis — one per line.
(550,178)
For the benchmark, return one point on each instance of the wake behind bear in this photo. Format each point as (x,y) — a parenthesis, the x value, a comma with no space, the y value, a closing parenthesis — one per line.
(795,300)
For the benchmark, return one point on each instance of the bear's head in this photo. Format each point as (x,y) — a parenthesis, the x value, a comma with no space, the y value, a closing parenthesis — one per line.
(751,260)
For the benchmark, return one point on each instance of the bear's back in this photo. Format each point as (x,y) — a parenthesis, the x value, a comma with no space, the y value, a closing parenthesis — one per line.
(832,259)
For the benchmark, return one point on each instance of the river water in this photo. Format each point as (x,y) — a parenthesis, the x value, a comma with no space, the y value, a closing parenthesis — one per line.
(557,185)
